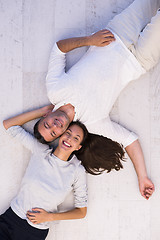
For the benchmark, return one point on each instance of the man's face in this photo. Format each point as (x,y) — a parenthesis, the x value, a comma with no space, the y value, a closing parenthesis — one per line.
(53,125)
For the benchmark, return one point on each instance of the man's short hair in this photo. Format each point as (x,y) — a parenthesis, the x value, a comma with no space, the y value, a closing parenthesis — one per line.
(37,133)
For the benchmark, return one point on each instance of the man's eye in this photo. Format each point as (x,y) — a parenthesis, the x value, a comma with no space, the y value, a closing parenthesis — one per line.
(46,125)
(53,134)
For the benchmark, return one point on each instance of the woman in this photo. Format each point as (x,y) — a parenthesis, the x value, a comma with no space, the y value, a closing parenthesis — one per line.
(50,176)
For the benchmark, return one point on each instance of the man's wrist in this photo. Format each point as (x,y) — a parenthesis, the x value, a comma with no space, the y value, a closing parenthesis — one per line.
(87,40)
(142,177)
(38,113)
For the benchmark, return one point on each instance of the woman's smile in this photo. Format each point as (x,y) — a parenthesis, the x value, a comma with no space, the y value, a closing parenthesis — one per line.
(66,144)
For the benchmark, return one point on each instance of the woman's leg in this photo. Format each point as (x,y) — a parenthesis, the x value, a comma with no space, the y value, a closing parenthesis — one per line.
(147,48)
(131,21)
(4,234)
(5,228)
(13,227)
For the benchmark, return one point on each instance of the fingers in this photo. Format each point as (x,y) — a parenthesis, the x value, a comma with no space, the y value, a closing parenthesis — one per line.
(51,106)
(106,42)
(37,210)
(107,33)
(34,215)
(31,217)
(147,193)
(30,214)
(146,187)
(101,38)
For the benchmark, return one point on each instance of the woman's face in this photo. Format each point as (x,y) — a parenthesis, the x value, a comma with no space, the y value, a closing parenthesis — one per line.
(71,140)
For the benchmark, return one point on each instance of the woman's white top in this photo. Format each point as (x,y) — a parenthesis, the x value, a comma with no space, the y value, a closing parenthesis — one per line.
(47,180)
(93,84)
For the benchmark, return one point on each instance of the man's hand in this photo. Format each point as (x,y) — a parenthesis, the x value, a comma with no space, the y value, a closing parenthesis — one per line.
(101,38)
(39,215)
(27,116)
(135,153)
(47,109)
(146,187)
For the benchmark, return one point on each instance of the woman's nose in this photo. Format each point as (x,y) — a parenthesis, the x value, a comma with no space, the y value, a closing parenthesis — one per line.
(69,138)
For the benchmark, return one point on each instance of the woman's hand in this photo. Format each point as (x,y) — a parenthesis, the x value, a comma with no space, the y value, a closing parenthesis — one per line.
(101,38)
(39,215)
(146,187)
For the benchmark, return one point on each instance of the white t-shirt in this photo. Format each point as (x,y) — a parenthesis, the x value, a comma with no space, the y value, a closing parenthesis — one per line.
(93,84)
(47,180)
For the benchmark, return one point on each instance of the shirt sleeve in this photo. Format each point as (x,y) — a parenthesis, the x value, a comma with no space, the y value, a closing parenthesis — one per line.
(113,130)
(80,188)
(119,133)
(27,139)
(56,76)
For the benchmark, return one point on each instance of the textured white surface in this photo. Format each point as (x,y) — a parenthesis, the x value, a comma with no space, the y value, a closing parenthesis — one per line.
(28,28)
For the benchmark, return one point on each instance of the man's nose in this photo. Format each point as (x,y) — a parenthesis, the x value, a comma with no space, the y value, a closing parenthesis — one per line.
(54,125)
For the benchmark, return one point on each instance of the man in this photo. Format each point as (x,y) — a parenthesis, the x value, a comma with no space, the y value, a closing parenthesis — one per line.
(89,89)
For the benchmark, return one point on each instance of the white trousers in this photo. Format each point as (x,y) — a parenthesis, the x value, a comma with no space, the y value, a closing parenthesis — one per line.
(138,26)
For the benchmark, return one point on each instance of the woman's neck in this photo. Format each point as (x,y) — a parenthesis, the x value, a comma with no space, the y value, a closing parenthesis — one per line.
(61,154)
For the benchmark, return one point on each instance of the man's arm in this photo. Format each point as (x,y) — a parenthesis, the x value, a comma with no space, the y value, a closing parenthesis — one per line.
(135,153)
(26,117)
(56,79)
(41,215)
(99,39)
(22,136)
(132,146)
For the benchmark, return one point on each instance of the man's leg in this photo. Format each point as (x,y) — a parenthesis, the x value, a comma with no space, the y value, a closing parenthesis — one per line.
(147,49)
(131,21)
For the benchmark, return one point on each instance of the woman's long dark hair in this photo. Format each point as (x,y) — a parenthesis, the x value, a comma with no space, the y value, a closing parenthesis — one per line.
(100,154)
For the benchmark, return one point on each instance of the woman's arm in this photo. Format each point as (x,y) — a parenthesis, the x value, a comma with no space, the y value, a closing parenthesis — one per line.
(26,117)
(135,153)
(43,216)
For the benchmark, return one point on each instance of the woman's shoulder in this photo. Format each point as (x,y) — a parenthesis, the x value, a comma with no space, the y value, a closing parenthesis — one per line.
(79,168)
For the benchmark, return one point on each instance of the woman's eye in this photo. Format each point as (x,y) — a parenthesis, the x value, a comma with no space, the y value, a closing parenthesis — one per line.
(68,133)
(76,138)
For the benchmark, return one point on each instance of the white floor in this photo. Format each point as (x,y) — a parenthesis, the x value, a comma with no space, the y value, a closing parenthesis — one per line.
(28,29)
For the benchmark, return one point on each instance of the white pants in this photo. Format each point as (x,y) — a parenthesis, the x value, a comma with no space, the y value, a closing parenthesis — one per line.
(138,26)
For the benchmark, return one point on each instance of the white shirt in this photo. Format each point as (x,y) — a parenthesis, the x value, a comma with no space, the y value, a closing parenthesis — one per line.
(93,84)
(47,180)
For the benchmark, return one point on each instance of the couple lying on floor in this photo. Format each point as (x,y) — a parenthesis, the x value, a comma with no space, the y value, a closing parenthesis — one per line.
(117,55)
